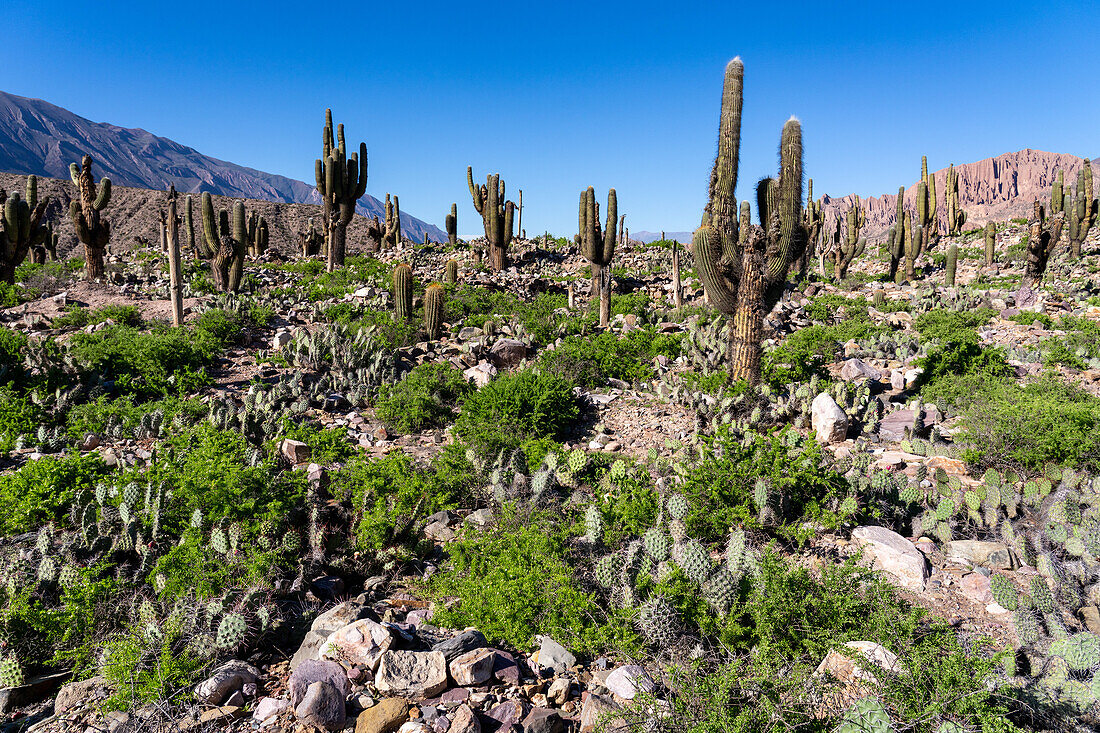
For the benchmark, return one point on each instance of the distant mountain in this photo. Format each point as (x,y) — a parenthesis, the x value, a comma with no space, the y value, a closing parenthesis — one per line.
(41,138)
(997,188)
(647,237)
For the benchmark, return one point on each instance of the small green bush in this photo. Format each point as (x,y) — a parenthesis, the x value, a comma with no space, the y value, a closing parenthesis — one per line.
(425,398)
(516,407)
(155,364)
(43,490)
(959,354)
(12,344)
(589,361)
(79,317)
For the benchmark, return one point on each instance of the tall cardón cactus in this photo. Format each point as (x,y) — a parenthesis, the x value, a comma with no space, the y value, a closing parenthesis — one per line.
(452,225)
(434,297)
(257,235)
(91,229)
(21,228)
(895,237)
(990,242)
(1081,211)
(1043,235)
(956,217)
(813,218)
(227,240)
(914,246)
(596,246)
(311,239)
(926,206)
(852,245)
(1057,186)
(496,215)
(744,268)
(402,292)
(341,182)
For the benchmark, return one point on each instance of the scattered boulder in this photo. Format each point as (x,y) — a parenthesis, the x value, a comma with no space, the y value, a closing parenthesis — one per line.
(225,680)
(473,668)
(359,644)
(74,693)
(828,420)
(415,675)
(316,670)
(294,451)
(595,714)
(323,627)
(554,656)
(463,720)
(993,555)
(267,708)
(507,353)
(628,680)
(457,645)
(385,717)
(895,555)
(856,369)
(543,720)
(322,706)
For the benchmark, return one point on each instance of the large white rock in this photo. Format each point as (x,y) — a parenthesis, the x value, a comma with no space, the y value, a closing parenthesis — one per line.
(413,675)
(359,644)
(828,420)
(895,555)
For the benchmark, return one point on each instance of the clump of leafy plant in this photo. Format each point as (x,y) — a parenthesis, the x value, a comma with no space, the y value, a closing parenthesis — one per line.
(425,398)
(515,407)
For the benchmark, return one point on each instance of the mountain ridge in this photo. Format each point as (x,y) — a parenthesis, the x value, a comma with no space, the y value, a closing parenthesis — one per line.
(41,138)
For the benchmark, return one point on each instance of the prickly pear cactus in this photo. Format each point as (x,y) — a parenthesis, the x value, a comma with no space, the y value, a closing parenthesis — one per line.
(866,716)
(231,631)
(658,621)
(657,544)
(1004,592)
(11,673)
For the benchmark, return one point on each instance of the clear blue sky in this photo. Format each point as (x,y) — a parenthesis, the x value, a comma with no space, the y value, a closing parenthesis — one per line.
(559,96)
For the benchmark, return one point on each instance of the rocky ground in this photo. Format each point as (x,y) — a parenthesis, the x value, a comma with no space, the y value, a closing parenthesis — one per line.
(371,659)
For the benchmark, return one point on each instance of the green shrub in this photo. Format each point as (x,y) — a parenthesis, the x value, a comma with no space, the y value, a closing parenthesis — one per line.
(1030,426)
(589,361)
(12,344)
(18,416)
(327,445)
(514,581)
(78,317)
(92,417)
(515,407)
(223,327)
(425,398)
(806,351)
(43,490)
(162,362)
(949,324)
(959,354)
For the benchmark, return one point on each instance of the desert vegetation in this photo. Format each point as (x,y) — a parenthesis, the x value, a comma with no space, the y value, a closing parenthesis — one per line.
(795,475)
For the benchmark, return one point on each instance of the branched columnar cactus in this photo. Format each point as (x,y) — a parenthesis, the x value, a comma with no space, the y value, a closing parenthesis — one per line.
(596,245)
(91,229)
(813,219)
(450,276)
(744,269)
(853,245)
(189,224)
(952,263)
(1042,237)
(257,235)
(956,217)
(433,310)
(311,239)
(226,241)
(1057,195)
(496,215)
(46,250)
(895,236)
(926,206)
(452,225)
(341,182)
(21,228)
(914,246)
(1081,212)
(402,291)
(391,233)
(990,242)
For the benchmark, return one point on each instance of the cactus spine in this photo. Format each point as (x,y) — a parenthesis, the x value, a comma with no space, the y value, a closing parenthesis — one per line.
(596,246)
(956,217)
(496,215)
(21,228)
(92,230)
(952,262)
(226,241)
(341,183)
(452,225)
(743,268)
(990,242)
(402,291)
(433,310)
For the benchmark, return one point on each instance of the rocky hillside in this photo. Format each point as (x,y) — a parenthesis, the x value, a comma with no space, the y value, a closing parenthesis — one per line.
(998,188)
(41,138)
(133,213)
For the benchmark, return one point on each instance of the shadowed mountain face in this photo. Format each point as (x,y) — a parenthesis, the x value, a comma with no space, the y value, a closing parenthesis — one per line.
(41,138)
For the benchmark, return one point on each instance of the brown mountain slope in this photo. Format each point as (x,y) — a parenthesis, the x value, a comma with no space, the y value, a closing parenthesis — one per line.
(995,188)
(134,213)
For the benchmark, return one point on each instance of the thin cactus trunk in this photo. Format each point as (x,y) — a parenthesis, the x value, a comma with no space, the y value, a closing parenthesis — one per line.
(519,216)
(747,325)
(172,235)
(605,297)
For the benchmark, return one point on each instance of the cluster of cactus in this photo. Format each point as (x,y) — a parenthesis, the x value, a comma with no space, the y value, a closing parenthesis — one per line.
(225,242)
(385,234)
(11,672)
(92,230)
(662,549)
(744,269)
(351,363)
(257,235)
(496,214)
(402,292)
(506,477)
(598,245)
(956,217)
(904,240)
(310,240)
(1043,236)
(263,408)
(22,228)
(1081,211)
(341,182)
(813,221)
(926,206)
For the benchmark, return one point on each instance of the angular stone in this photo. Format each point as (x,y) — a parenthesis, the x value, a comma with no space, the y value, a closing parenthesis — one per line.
(464,720)
(554,656)
(828,420)
(323,626)
(895,555)
(359,644)
(845,667)
(543,720)
(322,706)
(628,680)
(459,644)
(986,554)
(505,668)
(507,353)
(74,693)
(224,681)
(269,707)
(316,670)
(473,668)
(856,369)
(596,712)
(560,690)
(415,675)
(384,717)
(481,374)
(508,713)
(439,532)
(294,451)
(976,587)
